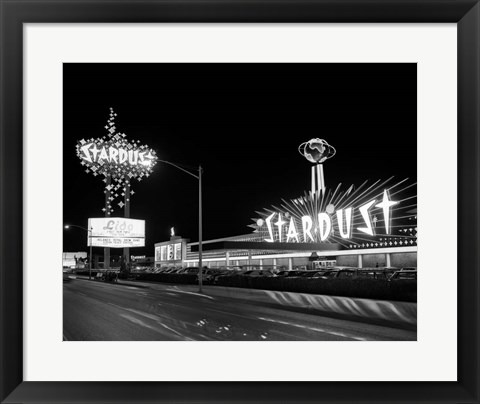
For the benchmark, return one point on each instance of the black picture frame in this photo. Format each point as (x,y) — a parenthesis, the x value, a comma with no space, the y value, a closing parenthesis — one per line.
(465,13)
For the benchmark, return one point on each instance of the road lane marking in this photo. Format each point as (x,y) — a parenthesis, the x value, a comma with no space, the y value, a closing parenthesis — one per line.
(149,316)
(174,331)
(228,313)
(156,329)
(312,328)
(104,285)
(138,321)
(142,313)
(191,293)
(79,293)
(156,319)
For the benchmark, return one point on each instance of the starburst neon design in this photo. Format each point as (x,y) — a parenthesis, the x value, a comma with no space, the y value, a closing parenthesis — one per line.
(349,212)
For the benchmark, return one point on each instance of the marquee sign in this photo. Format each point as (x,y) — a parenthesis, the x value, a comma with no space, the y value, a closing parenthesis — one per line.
(124,242)
(116,232)
(117,158)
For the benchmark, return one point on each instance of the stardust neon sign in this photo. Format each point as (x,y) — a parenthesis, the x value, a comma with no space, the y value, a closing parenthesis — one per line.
(284,227)
(353,217)
(118,159)
(115,156)
(99,153)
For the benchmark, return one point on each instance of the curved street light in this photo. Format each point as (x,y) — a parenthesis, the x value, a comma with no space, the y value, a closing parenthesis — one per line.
(67,226)
(199,178)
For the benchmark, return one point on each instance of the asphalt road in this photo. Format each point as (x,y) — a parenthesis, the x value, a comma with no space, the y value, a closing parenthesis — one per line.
(99,311)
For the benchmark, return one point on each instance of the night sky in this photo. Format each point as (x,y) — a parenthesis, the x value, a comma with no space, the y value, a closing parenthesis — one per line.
(243,123)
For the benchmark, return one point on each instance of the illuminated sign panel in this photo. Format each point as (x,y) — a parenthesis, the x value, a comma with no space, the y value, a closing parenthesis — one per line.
(116,232)
(117,242)
(169,252)
(163,253)
(116,227)
(177,254)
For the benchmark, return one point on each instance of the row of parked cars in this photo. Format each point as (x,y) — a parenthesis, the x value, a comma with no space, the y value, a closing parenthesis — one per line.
(212,275)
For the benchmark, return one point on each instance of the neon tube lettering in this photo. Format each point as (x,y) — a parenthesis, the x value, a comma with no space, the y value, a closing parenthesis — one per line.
(348,219)
(268,220)
(292,231)
(307,227)
(279,225)
(386,204)
(324,225)
(366,217)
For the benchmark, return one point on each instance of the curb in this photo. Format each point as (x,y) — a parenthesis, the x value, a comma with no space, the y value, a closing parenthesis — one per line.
(397,312)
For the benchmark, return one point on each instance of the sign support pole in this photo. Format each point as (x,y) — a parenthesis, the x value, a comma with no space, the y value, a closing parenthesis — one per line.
(126,250)
(106,250)
(320,178)
(91,257)
(313,182)
(200,230)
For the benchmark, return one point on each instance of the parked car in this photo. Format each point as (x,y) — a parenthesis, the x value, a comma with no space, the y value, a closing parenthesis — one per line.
(161,270)
(169,270)
(229,274)
(375,273)
(391,270)
(192,270)
(403,275)
(338,268)
(111,276)
(258,273)
(187,270)
(356,273)
(208,274)
(289,274)
(340,273)
(314,274)
(299,273)
(220,273)
(177,270)
(66,277)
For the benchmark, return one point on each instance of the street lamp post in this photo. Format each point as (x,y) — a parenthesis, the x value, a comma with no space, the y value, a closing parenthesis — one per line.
(90,238)
(200,229)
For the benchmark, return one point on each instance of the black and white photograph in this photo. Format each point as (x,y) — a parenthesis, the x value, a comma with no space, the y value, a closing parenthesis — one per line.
(239,202)
(233,190)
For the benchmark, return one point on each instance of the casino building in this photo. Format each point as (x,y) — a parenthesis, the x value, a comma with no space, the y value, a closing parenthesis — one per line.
(366,225)
(251,249)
